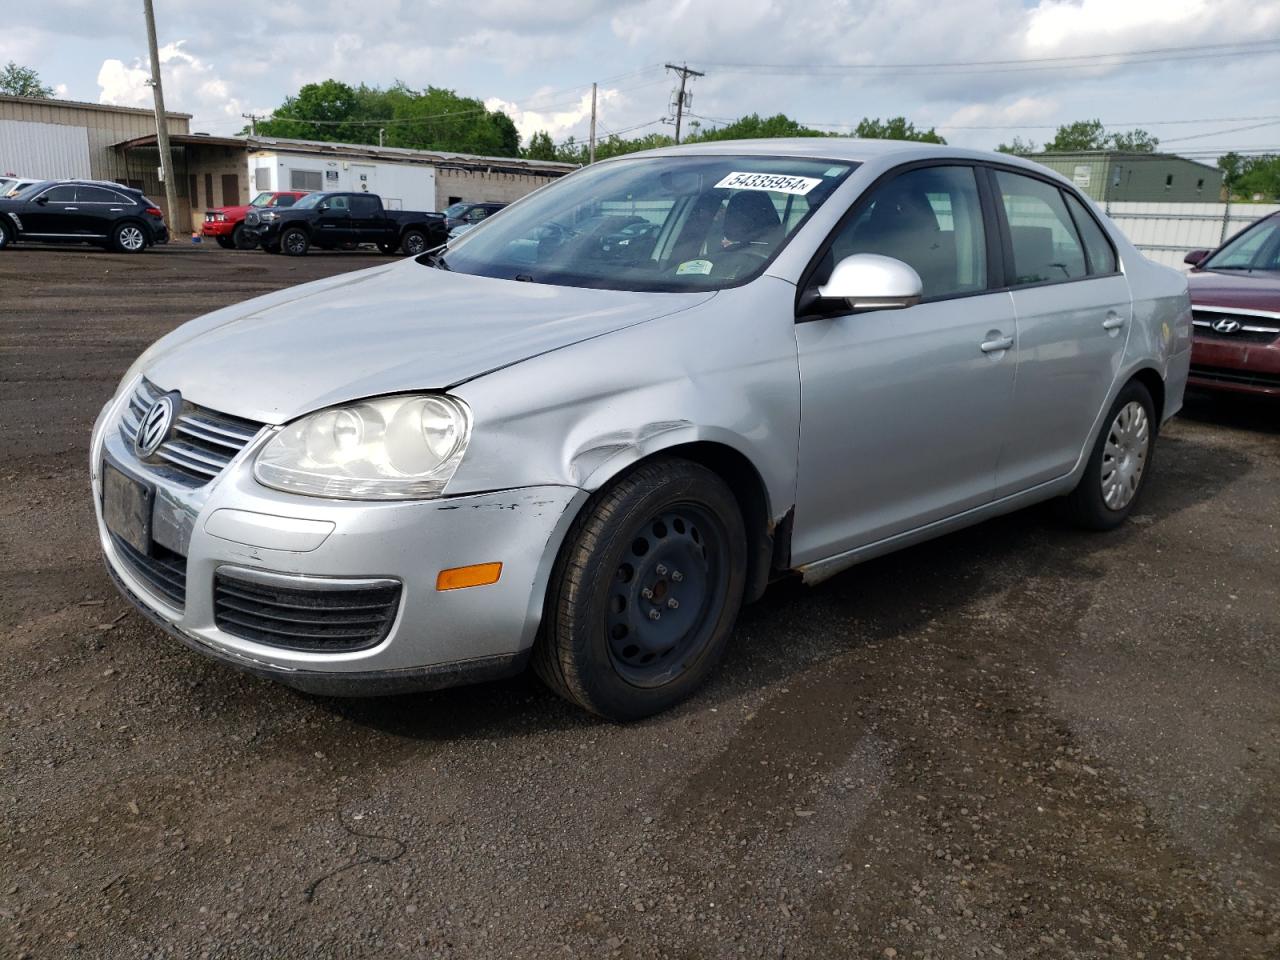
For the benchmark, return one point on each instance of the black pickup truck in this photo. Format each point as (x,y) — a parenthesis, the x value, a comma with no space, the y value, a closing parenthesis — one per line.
(332,221)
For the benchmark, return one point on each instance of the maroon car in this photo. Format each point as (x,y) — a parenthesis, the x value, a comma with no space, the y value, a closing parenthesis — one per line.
(1235,305)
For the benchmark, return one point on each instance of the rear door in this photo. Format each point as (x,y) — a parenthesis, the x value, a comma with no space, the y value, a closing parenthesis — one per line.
(101,208)
(1074,311)
(367,221)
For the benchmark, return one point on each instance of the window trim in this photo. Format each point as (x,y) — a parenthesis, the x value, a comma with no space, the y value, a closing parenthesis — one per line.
(806,295)
(1007,237)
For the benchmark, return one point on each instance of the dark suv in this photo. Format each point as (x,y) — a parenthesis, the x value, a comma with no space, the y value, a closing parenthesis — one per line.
(82,211)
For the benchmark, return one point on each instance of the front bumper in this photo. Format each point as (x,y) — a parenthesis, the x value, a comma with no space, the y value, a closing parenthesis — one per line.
(1252,368)
(436,638)
(217,228)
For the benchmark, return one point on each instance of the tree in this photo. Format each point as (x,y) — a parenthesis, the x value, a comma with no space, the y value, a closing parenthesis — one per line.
(430,119)
(17,81)
(755,127)
(1248,177)
(1018,146)
(895,128)
(1083,135)
(541,147)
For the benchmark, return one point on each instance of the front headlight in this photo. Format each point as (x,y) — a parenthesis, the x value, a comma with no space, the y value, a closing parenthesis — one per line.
(269,214)
(391,448)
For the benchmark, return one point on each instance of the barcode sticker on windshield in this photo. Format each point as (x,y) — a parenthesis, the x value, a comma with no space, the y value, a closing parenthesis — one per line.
(773,182)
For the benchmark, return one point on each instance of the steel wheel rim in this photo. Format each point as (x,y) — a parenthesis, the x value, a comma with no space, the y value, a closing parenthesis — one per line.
(415,244)
(666,594)
(131,238)
(1124,455)
(296,242)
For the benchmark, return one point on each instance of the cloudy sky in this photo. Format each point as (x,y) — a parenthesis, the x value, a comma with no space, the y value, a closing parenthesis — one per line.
(824,62)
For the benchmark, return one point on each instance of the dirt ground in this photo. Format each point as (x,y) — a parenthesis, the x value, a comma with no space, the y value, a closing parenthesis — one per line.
(1017,741)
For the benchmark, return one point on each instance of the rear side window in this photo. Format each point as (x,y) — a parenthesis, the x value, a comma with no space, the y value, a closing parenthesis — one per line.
(1046,247)
(364,207)
(1102,258)
(98,195)
(930,218)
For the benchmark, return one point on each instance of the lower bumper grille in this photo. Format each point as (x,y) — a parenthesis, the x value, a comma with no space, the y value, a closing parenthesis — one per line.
(163,571)
(1243,378)
(331,620)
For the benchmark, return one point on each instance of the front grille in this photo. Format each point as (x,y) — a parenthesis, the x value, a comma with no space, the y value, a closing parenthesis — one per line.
(1251,329)
(164,571)
(305,618)
(201,443)
(1246,378)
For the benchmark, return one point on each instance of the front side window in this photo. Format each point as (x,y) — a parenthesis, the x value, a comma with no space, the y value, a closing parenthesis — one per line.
(1046,247)
(476,214)
(931,219)
(1258,248)
(340,203)
(716,222)
(63,194)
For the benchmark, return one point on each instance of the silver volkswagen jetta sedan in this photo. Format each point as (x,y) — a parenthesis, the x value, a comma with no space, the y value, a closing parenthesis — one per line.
(589,430)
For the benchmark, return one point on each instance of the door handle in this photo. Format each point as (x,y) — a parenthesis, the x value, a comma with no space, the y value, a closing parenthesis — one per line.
(997,345)
(70,208)
(1113,322)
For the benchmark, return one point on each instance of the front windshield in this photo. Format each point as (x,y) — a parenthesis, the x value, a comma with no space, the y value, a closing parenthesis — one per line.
(651,223)
(261,200)
(310,200)
(1258,248)
(455,210)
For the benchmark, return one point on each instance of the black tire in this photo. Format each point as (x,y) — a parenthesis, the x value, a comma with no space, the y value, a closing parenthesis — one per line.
(1134,440)
(601,645)
(295,242)
(5,236)
(240,238)
(386,247)
(225,243)
(129,237)
(413,243)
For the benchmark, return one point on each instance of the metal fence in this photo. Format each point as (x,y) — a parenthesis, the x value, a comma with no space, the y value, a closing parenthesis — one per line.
(1166,232)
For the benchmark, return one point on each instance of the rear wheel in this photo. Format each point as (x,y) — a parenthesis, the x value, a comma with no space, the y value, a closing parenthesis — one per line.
(645,591)
(413,243)
(225,243)
(128,238)
(295,242)
(240,238)
(1118,467)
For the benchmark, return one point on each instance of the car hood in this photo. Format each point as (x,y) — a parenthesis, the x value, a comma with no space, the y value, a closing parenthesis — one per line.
(1244,291)
(232,212)
(390,329)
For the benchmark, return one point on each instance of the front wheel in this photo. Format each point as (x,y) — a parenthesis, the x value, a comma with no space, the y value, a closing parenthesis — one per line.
(128,238)
(644,592)
(240,238)
(295,242)
(1120,462)
(413,243)
(225,243)
(4,234)
(386,247)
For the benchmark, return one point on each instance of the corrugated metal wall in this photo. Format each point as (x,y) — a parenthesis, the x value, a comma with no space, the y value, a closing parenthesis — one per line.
(1166,232)
(43,150)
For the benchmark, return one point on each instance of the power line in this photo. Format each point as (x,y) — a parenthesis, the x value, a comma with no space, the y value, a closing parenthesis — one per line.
(1158,54)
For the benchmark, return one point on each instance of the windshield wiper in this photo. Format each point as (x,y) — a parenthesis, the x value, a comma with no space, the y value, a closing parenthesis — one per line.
(435,258)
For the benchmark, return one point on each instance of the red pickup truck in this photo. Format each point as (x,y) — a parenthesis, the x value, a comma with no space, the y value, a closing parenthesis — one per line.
(226,224)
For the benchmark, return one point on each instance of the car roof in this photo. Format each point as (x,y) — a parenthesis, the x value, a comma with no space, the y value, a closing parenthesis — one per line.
(837,148)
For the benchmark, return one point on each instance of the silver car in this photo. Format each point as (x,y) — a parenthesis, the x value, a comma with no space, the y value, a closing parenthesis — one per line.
(542,445)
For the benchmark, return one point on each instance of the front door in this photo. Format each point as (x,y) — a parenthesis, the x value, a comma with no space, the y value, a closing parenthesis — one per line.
(333,226)
(1074,310)
(904,412)
(53,213)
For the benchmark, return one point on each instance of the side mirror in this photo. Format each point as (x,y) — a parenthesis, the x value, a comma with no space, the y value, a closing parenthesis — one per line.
(868,281)
(1196,257)
(42,200)
(323,207)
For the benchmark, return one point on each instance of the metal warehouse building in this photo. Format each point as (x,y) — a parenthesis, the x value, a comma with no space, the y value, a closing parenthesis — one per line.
(61,138)
(1110,175)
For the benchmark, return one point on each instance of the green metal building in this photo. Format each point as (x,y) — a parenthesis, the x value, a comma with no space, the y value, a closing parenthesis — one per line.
(1110,175)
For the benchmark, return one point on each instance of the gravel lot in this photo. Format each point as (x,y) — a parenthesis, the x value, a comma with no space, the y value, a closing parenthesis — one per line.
(1018,741)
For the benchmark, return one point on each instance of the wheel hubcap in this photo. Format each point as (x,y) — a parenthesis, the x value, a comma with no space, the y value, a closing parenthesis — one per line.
(667,587)
(131,238)
(296,242)
(414,244)
(1125,455)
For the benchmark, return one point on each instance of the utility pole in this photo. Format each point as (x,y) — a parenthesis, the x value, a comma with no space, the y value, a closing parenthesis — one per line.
(591,149)
(685,73)
(253,122)
(162,120)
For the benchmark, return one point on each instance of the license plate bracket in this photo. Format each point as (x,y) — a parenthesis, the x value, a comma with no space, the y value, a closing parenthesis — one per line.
(126,508)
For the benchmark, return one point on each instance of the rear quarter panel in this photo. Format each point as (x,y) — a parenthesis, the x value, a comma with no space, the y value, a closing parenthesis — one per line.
(1161,335)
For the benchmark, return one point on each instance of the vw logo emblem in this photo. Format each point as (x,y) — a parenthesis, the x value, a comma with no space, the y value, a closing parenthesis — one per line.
(154,427)
(1227,325)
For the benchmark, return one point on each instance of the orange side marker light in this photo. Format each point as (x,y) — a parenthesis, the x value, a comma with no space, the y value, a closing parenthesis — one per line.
(476,575)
